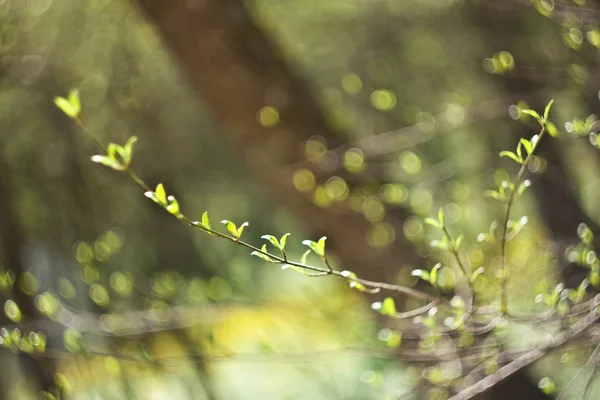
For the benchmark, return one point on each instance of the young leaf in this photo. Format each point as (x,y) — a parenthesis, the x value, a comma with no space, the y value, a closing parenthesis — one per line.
(317,247)
(533,114)
(173,206)
(547,110)
(304,256)
(524,185)
(273,240)
(511,155)
(109,162)
(349,275)
(160,194)
(388,307)
(421,273)
(361,288)
(230,227)
(476,273)
(321,246)
(283,241)
(551,129)
(261,255)
(205,220)
(66,107)
(241,229)
(128,150)
(113,149)
(493,194)
(433,274)
(439,244)
(458,241)
(441,216)
(432,222)
(526,144)
(75,101)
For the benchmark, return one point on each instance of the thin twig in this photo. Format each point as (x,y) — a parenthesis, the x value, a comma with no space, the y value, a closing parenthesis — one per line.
(528,358)
(591,362)
(511,199)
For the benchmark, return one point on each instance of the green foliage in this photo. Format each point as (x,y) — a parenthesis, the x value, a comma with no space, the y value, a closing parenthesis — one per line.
(547,386)
(387,307)
(71,106)
(118,157)
(317,247)
(439,316)
(233,229)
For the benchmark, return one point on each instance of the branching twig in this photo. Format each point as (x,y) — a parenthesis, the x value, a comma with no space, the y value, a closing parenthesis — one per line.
(511,199)
(531,356)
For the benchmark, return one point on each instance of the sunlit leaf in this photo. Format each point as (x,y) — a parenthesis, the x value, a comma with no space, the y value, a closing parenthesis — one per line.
(476,273)
(493,194)
(241,229)
(441,217)
(304,257)
(283,241)
(107,161)
(273,240)
(434,273)
(421,273)
(551,129)
(261,255)
(173,206)
(74,100)
(511,155)
(205,220)
(65,106)
(12,311)
(459,240)
(230,227)
(432,222)
(317,247)
(526,144)
(128,150)
(547,109)
(533,114)
(160,194)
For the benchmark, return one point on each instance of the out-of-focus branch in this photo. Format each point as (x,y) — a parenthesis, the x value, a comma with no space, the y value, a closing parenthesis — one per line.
(531,356)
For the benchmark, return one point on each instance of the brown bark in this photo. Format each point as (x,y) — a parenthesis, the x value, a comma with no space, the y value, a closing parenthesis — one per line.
(235,69)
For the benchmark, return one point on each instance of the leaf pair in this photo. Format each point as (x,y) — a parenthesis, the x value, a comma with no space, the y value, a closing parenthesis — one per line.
(118,157)
(534,114)
(317,247)
(278,243)
(428,276)
(159,196)
(233,229)
(71,106)
(440,222)
(442,278)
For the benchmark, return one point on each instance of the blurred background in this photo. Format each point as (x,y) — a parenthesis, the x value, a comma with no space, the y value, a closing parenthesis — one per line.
(349,119)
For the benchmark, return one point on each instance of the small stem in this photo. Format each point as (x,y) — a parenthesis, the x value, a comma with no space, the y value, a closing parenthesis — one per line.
(456,256)
(87,130)
(137,180)
(511,199)
(462,266)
